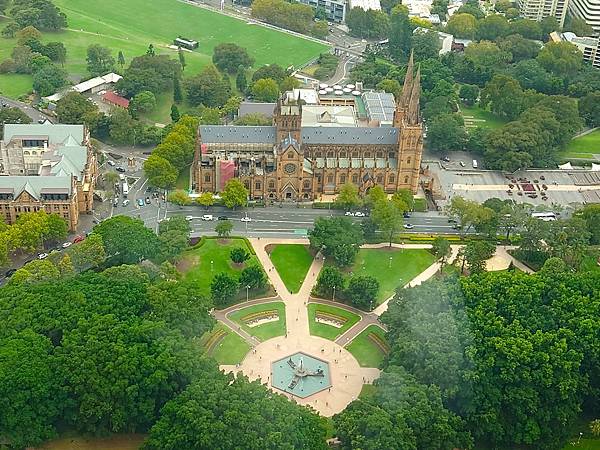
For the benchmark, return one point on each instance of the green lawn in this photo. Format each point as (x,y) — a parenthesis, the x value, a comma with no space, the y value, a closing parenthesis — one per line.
(368,390)
(267,330)
(231,349)
(14,85)
(583,444)
(366,352)
(477,117)
(292,262)
(130,26)
(584,146)
(183,180)
(329,331)
(197,268)
(405,265)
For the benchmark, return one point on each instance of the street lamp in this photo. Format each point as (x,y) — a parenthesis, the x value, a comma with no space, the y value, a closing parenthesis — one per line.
(371,305)
(334,293)
(247,288)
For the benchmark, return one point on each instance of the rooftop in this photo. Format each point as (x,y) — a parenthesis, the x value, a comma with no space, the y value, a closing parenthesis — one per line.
(35,185)
(56,133)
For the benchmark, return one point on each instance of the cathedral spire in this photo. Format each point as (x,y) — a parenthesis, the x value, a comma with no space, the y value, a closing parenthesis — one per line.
(413,105)
(408,80)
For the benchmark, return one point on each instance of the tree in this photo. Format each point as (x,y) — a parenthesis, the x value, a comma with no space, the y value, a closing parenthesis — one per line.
(403,199)
(241,83)
(425,45)
(10,29)
(206,199)
(336,237)
(223,228)
(348,197)
(549,24)
(400,31)
(141,103)
(181,56)
(504,95)
(475,255)
(447,132)
(362,291)
(329,278)
(12,115)
(253,119)
(253,276)
(265,90)
(229,57)
(272,71)
(121,59)
(172,243)
(99,60)
(561,58)
(375,195)
(74,108)
(223,288)
(529,29)
(126,240)
(179,197)
(462,26)
(175,115)
(234,194)
(87,254)
(468,93)
(49,79)
(120,126)
(29,33)
(579,26)
(160,172)
(388,218)
(37,271)
(207,88)
(320,29)
(391,86)
(595,427)
(177,95)
(589,108)
(239,255)
(492,27)
(441,249)
(440,7)
(591,215)
(57,228)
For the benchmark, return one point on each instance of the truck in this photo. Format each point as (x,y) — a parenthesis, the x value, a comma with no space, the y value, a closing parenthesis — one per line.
(125,189)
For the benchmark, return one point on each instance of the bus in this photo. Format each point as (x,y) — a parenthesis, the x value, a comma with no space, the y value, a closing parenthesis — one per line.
(545,216)
(125,188)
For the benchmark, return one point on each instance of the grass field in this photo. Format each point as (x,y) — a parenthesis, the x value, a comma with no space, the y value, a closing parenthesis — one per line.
(583,444)
(329,331)
(368,390)
(267,330)
(292,262)
(231,349)
(477,117)
(405,265)
(132,25)
(197,268)
(584,146)
(116,442)
(14,85)
(366,352)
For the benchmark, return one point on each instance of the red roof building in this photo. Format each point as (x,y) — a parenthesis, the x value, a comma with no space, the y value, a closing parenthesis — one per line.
(116,100)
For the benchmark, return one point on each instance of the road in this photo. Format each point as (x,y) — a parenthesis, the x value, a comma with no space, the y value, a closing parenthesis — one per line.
(35,115)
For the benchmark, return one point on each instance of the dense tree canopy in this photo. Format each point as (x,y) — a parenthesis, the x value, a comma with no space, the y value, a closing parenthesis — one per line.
(336,237)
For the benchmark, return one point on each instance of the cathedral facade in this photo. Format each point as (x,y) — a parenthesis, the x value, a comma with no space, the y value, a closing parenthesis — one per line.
(313,150)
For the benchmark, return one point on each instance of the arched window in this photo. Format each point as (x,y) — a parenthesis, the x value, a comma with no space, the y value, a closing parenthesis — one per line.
(306,184)
(408,160)
(247,184)
(367,154)
(330,154)
(355,179)
(391,178)
(271,184)
(33,152)
(330,179)
(342,178)
(355,154)
(379,179)
(380,154)
(257,185)
(25,152)
(406,179)
(291,155)
(342,154)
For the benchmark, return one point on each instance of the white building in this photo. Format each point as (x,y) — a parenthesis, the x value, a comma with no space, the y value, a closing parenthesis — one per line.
(589,46)
(540,9)
(90,86)
(365,4)
(588,10)
(335,9)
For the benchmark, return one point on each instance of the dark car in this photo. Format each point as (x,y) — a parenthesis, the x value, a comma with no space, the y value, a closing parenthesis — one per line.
(9,273)
(445,158)
(120,169)
(222,218)
(406,215)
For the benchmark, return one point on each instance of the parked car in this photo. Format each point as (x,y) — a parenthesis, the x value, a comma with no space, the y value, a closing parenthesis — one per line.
(246,219)
(126,202)
(140,202)
(78,239)
(120,169)
(67,244)
(451,220)
(445,158)
(406,215)
(409,226)
(42,255)
(147,200)
(349,213)
(110,162)
(462,163)
(40,121)
(359,214)
(208,217)
(115,202)
(222,218)
(188,218)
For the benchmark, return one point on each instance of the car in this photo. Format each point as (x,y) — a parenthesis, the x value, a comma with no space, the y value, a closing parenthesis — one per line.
(4,104)
(451,220)
(121,177)
(140,202)
(120,169)
(462,163)
(406,215)
(222,218)
(126,202)
(9,273)
(349,213)
(110,162)
(409,226)
(147,200)
(95,221)
(208,217)
(456,227)
(445,158)
(78,239)
(40,121)
(116,202)
(246,219)
(42,255)
(188,218)
(359,214)
(67,244)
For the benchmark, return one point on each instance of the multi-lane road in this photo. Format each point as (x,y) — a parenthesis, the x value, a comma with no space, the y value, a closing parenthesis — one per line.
(33,113)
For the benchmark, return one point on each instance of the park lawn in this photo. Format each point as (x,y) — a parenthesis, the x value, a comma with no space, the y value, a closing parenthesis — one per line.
(583,444)
(482,118)
(120,441)
(196,262)
(231,349)
(292,262)
(183,180)
(267,330)
(328,331)
(15,85)
(366,352)
(367,391)
(405,265)
(420,204)
(584,146)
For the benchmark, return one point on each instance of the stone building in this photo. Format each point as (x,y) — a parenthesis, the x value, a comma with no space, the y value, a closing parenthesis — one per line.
(49,167)
(315,147)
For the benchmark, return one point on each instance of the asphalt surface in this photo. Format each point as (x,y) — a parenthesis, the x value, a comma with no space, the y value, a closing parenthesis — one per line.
(30,111)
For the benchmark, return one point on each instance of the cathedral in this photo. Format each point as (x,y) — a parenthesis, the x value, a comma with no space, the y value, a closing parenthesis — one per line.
(316,144)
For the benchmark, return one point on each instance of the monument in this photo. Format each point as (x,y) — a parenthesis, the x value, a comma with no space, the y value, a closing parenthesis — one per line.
(300,374)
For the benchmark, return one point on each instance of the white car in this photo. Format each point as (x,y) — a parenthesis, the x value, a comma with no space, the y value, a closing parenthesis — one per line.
(208,217)
(409,226)
(349,213)
(188,218)
(67,244)
(246,219)
(42,255)
(125,202)
(359,214)
(111,162)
